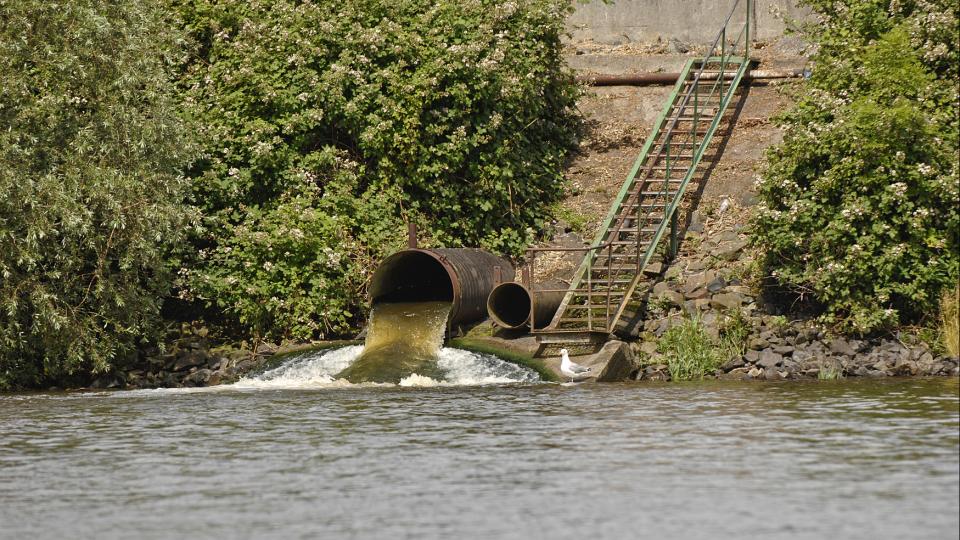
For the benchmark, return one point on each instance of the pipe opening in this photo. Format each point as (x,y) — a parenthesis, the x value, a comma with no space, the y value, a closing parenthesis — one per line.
(411,276)
(509,305)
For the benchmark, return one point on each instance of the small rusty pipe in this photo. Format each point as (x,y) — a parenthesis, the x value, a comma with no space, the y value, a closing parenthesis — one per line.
(631,79)
(512,305)
(464,277)
(652,79)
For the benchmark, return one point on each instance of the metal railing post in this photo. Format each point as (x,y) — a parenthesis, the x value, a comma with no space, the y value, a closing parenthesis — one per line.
(666,173)
(674,236)
(696,115)
(590,293)
(746,43)
(723,57)
(526,277)
(609,285)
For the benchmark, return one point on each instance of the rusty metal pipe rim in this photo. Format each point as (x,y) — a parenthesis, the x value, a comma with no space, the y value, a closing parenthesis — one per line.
(464,277)
(513,305)
(509,305)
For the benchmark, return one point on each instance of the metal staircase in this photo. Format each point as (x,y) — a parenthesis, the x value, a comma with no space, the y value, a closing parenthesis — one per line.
(604,296)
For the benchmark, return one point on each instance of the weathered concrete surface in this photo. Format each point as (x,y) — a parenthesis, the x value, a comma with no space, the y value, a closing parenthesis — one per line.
(615,362)
(604,63)
(689,21)
(591,361)
(620,362)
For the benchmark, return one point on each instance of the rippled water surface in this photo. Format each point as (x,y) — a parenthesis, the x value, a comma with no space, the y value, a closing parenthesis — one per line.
(847,459)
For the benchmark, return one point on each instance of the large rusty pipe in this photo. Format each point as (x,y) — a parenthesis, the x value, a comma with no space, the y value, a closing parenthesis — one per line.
(513,305)
(464,277)
(652,79)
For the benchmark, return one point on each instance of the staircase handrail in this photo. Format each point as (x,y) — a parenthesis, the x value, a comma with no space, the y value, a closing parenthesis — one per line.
(698,148)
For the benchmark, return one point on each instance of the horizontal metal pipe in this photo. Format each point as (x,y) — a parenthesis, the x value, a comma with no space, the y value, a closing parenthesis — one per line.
(652,79)
(464,277)
(512,305)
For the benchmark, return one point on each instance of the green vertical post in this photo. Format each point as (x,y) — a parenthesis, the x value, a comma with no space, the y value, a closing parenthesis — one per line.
(590,291)
(610,282)
(696,114)
(674,235)
(723,57)
(666,176)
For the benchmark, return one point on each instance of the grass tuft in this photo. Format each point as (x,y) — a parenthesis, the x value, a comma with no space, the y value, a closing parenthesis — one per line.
(689,352)
(734,332)
(576,220)
(830,372)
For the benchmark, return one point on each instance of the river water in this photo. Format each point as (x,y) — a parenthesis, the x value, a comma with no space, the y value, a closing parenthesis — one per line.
(294,454)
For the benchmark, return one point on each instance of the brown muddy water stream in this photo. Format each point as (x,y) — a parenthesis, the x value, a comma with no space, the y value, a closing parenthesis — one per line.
(403,339)
(491,453)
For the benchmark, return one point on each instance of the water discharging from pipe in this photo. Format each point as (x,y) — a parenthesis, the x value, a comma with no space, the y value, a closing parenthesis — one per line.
(404,346)
(415,294)
(403,338)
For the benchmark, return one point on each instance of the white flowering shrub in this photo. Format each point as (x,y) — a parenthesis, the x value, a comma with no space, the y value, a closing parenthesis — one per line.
(90,196)
(454,114)
(859,204)
(299,266)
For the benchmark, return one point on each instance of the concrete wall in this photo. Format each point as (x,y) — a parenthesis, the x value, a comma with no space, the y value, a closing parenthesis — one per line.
(690,21)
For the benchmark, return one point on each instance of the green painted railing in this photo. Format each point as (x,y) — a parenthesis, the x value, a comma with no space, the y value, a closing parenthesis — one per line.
(722,82)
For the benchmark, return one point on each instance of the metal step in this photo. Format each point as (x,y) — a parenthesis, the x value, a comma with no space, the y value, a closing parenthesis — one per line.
(640,205)
(599,293)
(633,230)
(584,337)
(622,256)
(603,282)
(622,267)
(635,224)
(672,169)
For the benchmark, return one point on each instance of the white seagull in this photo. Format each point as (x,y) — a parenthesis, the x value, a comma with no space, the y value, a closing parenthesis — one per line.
(570,369)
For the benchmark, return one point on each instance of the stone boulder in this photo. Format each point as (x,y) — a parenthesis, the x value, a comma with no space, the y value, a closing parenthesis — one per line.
(653,269)
(190,359)
(672,297)
(660,287)
(619,362)
(733,363)
(730,251)
(769,359)
(201,377)
(842,346)
(728,301)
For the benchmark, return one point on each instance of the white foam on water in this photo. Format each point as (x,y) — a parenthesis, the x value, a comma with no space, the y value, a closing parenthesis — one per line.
(419,380)
(311,370)
(319,370)
(470,368)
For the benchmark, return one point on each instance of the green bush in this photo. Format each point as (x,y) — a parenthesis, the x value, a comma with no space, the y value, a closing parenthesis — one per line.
(692,354)
(454,114)
(298,269)
(689,352)
(859,204)
(90,198)
(950,320)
